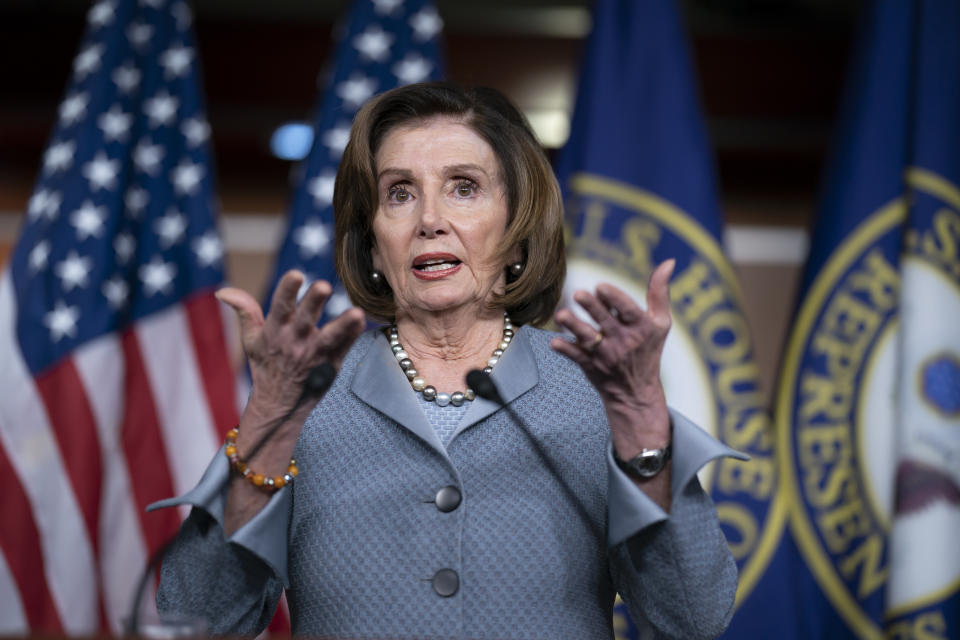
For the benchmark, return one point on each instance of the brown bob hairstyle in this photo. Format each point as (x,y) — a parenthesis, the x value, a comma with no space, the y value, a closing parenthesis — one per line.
(533,197)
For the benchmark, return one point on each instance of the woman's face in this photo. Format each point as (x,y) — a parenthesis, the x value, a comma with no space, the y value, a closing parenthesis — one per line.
(441,217)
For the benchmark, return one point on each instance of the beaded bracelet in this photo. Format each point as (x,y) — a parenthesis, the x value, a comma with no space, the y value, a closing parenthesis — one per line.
(260,481)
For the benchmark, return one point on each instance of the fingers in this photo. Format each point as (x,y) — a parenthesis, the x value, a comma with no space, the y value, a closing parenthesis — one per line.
(329,342)
(658,292)
(336,337)
(585,334)
(625,308)
(248,311)
(571,350)
(284,300)
(613,309)
(308,312)
(597,310)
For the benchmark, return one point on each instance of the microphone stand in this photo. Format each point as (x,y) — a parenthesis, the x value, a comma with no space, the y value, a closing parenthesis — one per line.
(483,385)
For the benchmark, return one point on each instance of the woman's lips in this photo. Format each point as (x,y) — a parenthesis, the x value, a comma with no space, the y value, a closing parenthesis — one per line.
(433,266)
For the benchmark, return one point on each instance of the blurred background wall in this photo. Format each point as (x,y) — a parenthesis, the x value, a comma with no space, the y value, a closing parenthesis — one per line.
(769,73)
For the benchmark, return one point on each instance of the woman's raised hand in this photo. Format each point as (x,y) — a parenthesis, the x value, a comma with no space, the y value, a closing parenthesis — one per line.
(622,358)
(282,349)
(285,346)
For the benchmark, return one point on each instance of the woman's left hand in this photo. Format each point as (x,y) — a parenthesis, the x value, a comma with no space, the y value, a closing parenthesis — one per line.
(622,359)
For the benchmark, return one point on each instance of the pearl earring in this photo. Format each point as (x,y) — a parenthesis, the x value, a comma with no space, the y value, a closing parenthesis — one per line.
(376,278)
(516,268)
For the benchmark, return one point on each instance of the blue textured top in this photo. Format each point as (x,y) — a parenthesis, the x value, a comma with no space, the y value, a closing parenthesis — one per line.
(359,540)
(444,420)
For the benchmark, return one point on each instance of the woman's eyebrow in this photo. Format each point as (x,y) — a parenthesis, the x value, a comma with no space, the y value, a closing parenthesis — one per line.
(395,173)
(469,167)
(406,174)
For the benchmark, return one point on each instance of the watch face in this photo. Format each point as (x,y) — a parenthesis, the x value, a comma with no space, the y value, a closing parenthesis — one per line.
(648,463)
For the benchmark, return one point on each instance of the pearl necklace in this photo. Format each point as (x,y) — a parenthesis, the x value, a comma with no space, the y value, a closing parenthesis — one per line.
(429,391)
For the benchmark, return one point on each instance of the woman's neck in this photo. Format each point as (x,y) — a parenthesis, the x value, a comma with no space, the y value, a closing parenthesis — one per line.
(445,347)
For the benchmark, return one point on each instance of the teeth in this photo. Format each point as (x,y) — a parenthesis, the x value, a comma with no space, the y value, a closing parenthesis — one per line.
(437,266)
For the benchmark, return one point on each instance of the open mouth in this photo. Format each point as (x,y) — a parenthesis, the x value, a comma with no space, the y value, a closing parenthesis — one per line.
(435,264)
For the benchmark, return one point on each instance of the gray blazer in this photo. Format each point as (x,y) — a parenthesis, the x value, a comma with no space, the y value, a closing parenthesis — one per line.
(366,550)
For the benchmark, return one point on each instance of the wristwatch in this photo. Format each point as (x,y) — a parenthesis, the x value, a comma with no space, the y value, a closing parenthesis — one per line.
(646,464)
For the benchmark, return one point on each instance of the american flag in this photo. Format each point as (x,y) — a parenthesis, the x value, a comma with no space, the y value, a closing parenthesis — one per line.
(115,381)
(382,45)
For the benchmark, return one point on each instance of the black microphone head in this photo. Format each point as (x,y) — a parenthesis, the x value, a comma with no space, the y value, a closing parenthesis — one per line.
(319,379)
(482,385)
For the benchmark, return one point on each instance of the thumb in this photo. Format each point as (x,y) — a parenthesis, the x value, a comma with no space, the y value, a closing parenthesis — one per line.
(248,311)
(658,292)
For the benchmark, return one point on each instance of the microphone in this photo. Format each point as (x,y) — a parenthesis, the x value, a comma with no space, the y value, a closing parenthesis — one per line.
(316,384)
(483,385)
(318,380)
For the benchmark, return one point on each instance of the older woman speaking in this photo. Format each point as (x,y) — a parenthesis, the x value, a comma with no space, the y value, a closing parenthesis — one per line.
(402,504)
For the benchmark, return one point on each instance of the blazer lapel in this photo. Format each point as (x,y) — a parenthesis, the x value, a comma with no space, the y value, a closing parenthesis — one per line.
(514,375)
(381,383)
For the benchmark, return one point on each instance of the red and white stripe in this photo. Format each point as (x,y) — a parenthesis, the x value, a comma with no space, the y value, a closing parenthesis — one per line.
(127,419)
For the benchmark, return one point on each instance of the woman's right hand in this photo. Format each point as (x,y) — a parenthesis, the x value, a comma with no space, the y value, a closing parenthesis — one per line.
(282,349)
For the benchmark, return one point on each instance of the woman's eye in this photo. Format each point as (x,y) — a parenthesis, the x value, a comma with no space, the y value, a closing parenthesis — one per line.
(466,188)
(400,194)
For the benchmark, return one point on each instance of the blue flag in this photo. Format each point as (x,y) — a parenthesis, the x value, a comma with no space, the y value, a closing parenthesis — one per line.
(115,381)
(384,44)
(924,587)
(869,402)
(639,182)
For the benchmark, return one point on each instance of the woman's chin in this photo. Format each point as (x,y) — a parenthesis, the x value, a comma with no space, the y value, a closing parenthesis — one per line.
(441,300)
(444,305)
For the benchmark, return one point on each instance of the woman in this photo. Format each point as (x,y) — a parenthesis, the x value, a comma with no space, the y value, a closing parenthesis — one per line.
(421,510)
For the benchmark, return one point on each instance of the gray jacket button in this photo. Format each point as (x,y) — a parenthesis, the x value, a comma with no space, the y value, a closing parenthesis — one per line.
(446,582)
(448,499)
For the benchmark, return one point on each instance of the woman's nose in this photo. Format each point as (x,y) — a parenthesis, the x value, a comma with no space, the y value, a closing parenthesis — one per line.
(433,220)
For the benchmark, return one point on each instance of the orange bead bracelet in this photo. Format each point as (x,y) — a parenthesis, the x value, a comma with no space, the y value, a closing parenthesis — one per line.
(260,481)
